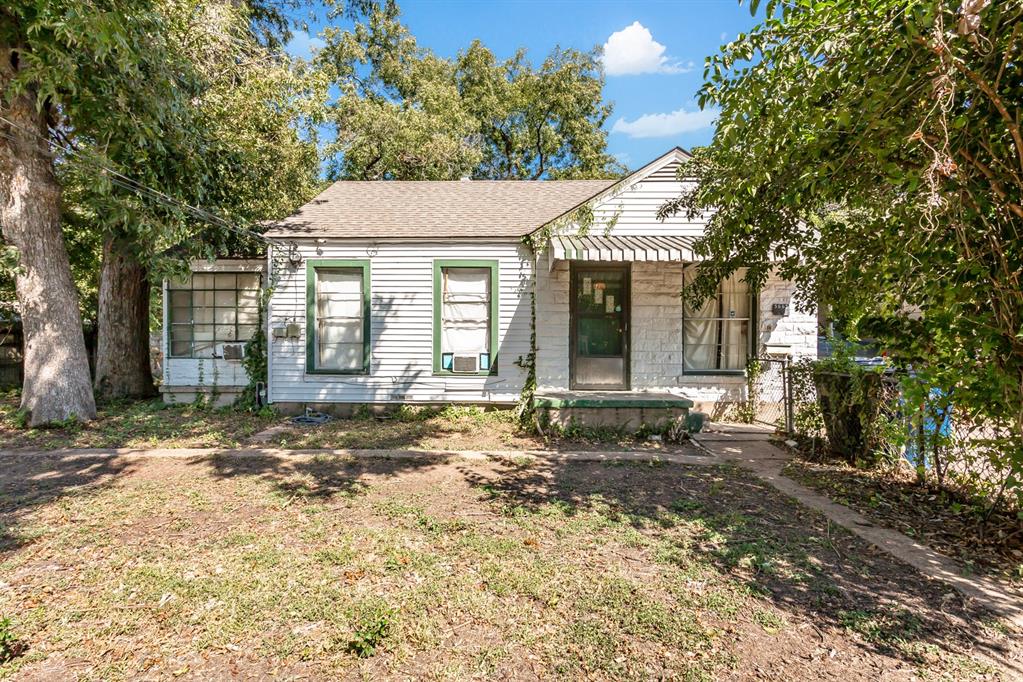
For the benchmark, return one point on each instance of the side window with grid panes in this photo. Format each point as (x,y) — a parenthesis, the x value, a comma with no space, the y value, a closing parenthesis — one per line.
(208,310)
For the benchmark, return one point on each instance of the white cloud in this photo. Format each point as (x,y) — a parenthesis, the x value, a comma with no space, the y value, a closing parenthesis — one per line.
(724,36)
(303,45)
(633,50)
(666,125)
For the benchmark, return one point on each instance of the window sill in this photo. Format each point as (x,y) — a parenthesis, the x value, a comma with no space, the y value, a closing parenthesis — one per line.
(337,372)
(445,373)
(714,373)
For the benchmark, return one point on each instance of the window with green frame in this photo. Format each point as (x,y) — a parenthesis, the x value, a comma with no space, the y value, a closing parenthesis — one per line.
(465,316)
(337,317)
(209,309)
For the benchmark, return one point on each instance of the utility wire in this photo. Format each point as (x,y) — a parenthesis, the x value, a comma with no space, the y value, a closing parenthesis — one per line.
(155,195)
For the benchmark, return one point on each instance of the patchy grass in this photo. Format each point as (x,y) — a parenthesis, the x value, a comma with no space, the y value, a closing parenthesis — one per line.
(323,567)
(152,423)
(992,545)
(451,428)
(146,423)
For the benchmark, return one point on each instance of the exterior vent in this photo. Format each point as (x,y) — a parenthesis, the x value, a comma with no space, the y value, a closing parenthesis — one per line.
(233,351)
(468,364)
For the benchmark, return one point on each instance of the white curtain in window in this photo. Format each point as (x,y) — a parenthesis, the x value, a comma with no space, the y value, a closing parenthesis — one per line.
(700,331)
(735,308)
(339,321)
(465,312)
(716,333)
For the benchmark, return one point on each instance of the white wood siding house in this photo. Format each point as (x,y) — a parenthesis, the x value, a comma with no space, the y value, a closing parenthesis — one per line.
(207,318)
(423,292)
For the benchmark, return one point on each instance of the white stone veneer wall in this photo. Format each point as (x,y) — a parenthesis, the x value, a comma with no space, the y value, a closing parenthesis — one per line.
(656,330)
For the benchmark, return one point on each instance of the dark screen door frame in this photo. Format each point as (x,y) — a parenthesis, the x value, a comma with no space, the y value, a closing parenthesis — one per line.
(573,324)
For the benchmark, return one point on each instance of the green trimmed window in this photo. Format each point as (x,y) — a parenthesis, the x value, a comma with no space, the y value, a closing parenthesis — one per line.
(717,336)
(210,309)
(337,317)
(465,316)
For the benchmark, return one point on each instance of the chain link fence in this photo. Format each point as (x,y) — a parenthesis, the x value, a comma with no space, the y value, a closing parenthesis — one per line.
(899,420)
(767,398)
(11,355)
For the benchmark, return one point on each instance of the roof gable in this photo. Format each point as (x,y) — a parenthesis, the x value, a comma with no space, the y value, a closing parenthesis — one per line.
(662,169)
(466,209)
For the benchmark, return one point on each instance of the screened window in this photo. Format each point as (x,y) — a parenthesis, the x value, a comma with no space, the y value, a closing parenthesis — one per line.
(210,309)
(465,315)
(716,335)
(338,318)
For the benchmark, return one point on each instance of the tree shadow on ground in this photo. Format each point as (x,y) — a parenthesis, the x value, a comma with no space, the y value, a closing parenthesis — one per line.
(312,476)
(813,571)
(954,523)
(741,528)
(30,481)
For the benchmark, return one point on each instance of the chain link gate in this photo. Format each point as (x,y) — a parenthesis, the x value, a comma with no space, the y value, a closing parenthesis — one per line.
(769,396)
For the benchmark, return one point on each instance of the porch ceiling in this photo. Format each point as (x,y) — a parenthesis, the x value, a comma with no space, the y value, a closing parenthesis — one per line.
(622,248)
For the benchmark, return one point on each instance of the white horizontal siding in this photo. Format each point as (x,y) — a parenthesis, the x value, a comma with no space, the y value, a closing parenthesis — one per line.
(401,339)
(636,210)
(205,372)
(632,210)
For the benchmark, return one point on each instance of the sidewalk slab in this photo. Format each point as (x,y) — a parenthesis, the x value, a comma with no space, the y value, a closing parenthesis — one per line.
(767,461)
(689,455)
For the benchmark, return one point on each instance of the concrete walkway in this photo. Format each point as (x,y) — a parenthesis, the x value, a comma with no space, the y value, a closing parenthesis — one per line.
(687,455)
(748,447)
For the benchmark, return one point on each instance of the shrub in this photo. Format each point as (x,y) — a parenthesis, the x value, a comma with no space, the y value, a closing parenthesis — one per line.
(10,647)
(372,626)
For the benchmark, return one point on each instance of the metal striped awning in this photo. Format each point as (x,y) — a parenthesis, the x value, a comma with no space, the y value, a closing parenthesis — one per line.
(622,248)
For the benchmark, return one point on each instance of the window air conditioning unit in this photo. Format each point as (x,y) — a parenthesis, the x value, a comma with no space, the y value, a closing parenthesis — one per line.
(233,351)
(468,364)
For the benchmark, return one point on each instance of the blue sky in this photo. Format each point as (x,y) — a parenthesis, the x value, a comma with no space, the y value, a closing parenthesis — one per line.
(654,54)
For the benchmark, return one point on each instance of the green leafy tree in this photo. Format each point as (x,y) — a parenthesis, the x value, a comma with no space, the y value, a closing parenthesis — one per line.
(235,151)
(405,113)
(191,98)
(533,123)
(872,152)
(398,114)
(62,64)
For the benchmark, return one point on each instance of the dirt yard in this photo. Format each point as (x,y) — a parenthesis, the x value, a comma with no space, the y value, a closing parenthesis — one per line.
(154,424)
(984,541)
(316,567)
(134,424)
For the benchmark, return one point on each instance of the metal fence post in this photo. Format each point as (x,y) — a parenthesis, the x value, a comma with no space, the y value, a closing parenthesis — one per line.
(790,426)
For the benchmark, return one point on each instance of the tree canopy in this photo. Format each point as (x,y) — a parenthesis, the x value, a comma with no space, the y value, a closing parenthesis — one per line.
(199,103)
(144,109)
(405,113)
(872,151)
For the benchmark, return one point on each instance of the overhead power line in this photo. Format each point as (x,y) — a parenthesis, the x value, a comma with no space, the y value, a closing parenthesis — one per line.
(154,195)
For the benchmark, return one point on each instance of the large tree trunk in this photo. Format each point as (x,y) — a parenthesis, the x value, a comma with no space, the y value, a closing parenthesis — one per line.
(122,353)
(56,385)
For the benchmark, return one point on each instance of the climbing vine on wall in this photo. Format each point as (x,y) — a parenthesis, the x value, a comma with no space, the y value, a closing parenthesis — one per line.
(256,350)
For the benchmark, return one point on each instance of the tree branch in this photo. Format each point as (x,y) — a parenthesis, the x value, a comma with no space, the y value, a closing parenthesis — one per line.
(996,100)
(996,186)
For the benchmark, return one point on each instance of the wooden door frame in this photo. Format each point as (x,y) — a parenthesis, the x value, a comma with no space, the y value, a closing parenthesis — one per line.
(626,268)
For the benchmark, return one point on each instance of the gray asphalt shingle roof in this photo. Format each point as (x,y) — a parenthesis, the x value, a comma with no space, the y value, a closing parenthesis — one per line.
(459,208)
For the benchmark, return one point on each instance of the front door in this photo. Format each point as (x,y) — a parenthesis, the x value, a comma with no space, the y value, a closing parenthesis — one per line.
(599,356)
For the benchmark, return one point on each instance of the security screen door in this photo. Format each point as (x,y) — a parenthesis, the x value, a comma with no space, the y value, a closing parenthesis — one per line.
(599,356)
